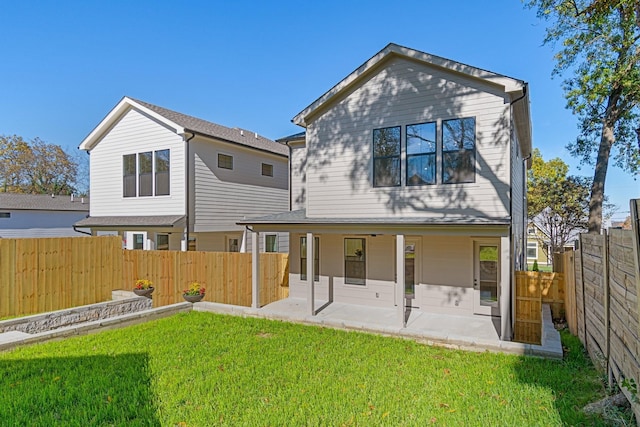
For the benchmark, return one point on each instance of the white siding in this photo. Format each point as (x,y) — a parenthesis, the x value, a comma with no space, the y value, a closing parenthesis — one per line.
(24,223)
(223,196)
(135,133)
(298,176)
(403,92)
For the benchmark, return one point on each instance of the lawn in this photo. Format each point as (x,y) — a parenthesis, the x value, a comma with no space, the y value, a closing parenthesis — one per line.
(201,369)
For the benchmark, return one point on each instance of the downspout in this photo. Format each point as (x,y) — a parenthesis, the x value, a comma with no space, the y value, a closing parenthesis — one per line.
(186,237)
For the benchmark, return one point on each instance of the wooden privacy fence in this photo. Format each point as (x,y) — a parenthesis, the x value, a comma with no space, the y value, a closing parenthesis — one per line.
(226,276)
(39,275)
(532,290)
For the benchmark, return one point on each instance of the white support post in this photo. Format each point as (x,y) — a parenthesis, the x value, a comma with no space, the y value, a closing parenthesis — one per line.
(184,244)
(255,269)
(506,266)
(400,279)
(310,275)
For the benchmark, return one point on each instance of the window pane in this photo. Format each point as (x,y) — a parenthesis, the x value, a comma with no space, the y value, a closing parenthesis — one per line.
(421,138)
(267,169)
(225,161)
(458,166)
(145,169)
(532,250)
(271,243)
(234,245)
(354,261)
(162,172)
(129,175)
(386,172)
(458,134)
(162,242)
(386,157)
(421,169)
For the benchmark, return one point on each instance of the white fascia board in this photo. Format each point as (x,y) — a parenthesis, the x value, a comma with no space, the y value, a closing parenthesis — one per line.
(115,114)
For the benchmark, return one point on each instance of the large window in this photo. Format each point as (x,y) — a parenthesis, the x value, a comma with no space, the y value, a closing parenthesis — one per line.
(316,258)
(145,174)
(421,154)
(355,264)
(386,157)
(162,172)
(139,170)
(162,242)
(532,250)
(271,243)
(129,175)
(225,161)
(458,150)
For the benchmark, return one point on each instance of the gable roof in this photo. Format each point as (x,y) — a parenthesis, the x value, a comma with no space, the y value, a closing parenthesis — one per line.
(43,202)
(182,124)
(515,87)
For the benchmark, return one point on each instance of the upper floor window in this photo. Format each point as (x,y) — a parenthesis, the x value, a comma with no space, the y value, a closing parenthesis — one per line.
(129,175)
(145,174)
(144,166)
(421,154)
(458,150)
(162,172)
(267,169)
(225,161)
(386,157)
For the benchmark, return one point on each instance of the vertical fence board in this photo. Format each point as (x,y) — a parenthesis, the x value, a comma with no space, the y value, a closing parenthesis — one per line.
(7,277)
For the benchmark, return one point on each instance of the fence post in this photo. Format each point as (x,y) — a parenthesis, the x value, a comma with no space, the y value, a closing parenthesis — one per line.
(607,303)
(584,308)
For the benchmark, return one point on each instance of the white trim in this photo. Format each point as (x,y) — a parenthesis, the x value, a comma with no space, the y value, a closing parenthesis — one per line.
(536,248)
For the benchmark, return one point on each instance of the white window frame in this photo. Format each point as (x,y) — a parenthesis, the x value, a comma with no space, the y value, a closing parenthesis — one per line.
(532,247)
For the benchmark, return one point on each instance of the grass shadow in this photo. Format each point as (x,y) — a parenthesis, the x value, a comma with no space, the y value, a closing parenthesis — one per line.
(574,381)
(77,391)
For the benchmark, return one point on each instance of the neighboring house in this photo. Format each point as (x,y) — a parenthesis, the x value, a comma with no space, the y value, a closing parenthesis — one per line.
(41,215)
(539,239)
(408,189)
(165,180)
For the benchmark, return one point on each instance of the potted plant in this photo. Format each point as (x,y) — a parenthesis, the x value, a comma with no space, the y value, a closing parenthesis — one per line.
(194,293)
(143,288)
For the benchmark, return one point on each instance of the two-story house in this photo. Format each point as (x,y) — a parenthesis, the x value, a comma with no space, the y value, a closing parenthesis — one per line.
(41,215)
(165,180)
(408,189)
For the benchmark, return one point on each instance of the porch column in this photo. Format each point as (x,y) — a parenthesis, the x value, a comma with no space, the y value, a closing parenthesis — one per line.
(400,279)
(184,244)
(255,269)
(310,275)
(243,245)
(506,266)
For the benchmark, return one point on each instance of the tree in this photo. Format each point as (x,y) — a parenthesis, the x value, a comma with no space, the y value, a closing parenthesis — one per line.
(558,204)
(36,167)
(600,48)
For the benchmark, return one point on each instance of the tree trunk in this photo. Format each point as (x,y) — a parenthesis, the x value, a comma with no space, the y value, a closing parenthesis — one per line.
(597,187)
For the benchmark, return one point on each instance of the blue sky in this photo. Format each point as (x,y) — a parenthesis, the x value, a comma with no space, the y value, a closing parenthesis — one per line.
(255,64)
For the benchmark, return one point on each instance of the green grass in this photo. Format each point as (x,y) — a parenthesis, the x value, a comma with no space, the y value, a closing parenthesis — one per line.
(201,369)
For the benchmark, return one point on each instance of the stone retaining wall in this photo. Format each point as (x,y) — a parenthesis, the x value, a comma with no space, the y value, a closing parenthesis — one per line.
(87,313)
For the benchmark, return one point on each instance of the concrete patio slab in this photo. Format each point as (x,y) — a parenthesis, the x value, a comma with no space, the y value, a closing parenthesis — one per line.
(471,333)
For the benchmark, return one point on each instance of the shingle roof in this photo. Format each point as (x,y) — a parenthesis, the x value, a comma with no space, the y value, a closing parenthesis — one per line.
(294,137)
(42,202)
(203,127)
(125,221)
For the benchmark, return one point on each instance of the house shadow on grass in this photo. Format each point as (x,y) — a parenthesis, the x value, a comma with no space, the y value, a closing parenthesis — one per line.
(79,391)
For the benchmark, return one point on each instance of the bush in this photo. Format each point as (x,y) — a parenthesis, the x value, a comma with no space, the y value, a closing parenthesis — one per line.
(535,266)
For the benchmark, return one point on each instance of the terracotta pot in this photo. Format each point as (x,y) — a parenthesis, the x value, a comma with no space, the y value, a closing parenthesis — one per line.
(193,298)
(144,292)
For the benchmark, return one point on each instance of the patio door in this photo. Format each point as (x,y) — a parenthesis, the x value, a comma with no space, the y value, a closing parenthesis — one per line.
(411,260)
(136,240)
(486,278)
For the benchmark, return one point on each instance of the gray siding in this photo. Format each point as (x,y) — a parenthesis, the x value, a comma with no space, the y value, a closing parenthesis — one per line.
(339,143)
(223,196)
(298,176)
(24,223)
(518,204)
